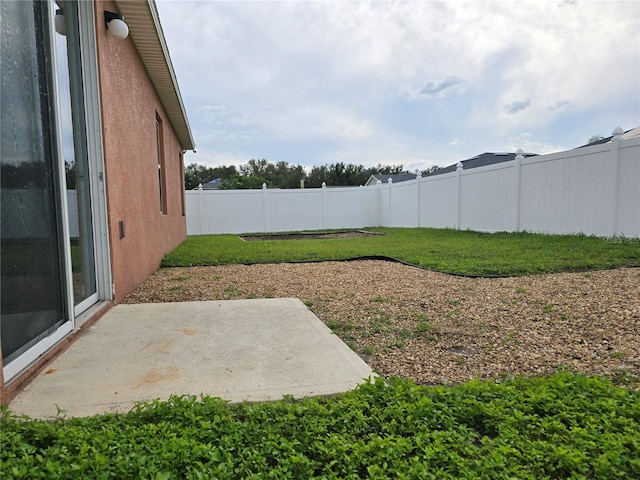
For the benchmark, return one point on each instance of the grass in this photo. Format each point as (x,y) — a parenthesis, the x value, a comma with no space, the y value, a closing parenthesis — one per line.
(562,426)
(444,250)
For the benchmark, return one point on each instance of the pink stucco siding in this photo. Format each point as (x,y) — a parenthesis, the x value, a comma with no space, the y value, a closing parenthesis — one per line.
(129,109)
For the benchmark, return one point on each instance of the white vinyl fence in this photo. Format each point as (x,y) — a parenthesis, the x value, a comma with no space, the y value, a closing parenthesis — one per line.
(593,190)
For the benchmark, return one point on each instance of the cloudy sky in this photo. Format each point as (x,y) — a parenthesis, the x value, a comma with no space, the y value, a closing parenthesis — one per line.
(414,83)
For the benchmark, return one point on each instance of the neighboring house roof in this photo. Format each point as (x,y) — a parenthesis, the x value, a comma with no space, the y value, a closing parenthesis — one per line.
(396,178)
(214,184)
(632,133)
(482,160)
(146,32)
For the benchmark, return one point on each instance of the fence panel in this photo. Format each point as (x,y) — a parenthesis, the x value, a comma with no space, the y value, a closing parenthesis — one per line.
(229,211)
(593,190)
(194,212)
(349,207)
(488,198)
(72,207)
(569,193)
(439,201)
(403,204)
(288,210)
(628,206)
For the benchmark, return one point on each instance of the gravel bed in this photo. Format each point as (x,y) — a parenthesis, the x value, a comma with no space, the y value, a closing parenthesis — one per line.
(435,328)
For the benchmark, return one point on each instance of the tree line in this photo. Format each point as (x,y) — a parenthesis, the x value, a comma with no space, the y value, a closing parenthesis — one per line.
(284,175)
(250,175)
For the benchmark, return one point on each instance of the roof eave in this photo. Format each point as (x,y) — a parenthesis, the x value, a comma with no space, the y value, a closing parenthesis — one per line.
(147,36)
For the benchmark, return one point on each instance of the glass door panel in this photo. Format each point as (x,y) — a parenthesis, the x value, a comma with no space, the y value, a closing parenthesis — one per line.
(72,113)
(33,291)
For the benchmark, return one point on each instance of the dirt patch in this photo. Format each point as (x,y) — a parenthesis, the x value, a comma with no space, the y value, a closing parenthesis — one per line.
(310,235)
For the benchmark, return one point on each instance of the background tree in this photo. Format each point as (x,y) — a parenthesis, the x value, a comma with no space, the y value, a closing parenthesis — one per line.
(70,174)
(254,168)
(195,174)
(431,169)
(594,138)
(25,175)
(237,182)
(279,175)
(339,174)
(283,174)
(387,170)
(317,175)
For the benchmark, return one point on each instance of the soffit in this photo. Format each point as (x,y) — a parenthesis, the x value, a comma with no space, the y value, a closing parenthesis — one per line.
(147,36)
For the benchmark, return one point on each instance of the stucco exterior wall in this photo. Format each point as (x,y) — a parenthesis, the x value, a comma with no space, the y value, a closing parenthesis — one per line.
(129,105)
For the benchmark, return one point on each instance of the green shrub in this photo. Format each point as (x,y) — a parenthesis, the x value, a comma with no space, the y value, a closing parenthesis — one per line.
(563,426)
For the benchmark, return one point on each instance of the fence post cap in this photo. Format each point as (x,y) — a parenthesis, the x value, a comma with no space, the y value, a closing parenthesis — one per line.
(324,184)
(617,133)
(264,186)
(418,174)
(199,186)
(378,181)
(390,180)
(459,166)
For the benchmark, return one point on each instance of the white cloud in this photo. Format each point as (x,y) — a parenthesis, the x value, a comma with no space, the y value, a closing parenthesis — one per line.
(213,114)
(562,105)
(527,142)
(212,157)
(432,88)
(317,121)
(318,81)
(518,105)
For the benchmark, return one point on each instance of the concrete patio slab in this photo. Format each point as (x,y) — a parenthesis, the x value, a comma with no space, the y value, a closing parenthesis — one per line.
(238,350)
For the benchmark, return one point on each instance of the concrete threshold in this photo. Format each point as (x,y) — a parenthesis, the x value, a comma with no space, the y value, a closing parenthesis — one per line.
(238,350)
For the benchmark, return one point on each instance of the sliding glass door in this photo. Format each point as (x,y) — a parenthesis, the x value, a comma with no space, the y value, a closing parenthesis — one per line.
(33,304)
(54,254)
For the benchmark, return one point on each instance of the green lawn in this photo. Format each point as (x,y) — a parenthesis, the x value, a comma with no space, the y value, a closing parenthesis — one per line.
(461,252)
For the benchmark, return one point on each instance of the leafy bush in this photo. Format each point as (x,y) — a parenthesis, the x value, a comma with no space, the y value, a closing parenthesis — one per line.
(563,426)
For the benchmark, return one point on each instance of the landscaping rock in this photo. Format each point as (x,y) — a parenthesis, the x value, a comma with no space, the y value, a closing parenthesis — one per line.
(435,328)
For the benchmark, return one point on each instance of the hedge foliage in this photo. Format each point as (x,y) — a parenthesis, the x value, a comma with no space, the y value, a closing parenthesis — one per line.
(563,426)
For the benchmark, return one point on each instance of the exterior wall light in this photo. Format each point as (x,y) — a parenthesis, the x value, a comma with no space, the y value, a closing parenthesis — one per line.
(60,26)
(115,25)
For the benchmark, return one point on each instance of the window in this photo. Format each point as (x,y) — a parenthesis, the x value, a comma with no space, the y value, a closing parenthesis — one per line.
(181,160)
(161,173)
